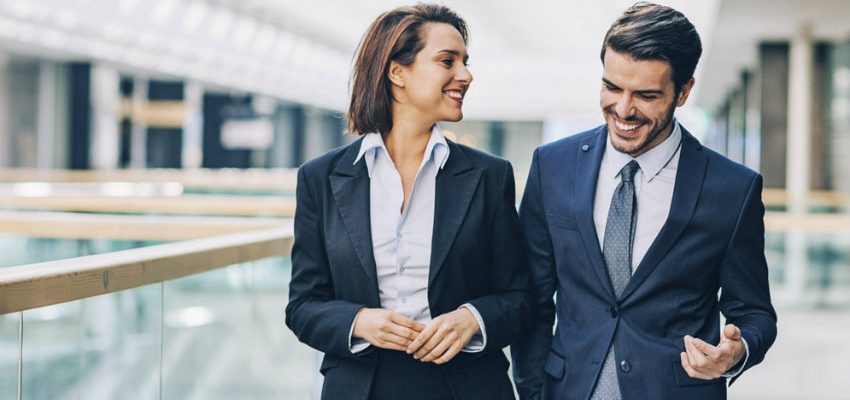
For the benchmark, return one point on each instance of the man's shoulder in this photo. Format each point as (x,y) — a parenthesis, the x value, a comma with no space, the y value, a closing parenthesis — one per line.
(570,144)
(723,167)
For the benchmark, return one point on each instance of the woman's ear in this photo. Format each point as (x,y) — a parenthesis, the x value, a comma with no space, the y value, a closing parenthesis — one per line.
(396,74)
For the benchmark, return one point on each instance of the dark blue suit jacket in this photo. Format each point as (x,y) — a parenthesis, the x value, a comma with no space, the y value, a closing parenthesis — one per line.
(476,257)
(713,240)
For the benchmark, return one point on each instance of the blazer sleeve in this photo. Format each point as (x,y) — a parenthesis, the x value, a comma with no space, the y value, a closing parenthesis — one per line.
(745,294)
(506,307)
(530,351)
(313,314)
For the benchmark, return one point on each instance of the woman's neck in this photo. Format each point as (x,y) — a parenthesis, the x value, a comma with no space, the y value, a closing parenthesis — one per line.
(407,140)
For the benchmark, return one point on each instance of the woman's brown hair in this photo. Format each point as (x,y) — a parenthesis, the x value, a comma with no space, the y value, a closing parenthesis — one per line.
(395,35)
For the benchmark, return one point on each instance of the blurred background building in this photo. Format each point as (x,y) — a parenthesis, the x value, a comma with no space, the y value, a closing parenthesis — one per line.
(158,139)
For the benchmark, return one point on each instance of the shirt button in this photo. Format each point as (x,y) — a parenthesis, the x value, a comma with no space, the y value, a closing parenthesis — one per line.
(625,366)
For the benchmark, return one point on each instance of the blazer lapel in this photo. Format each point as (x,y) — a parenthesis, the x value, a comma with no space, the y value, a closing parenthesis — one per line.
(456,184)
(587,173)
(350,185)
(689,178)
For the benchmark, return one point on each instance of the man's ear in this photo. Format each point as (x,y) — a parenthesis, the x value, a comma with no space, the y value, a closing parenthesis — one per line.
(684,92)
(396,74)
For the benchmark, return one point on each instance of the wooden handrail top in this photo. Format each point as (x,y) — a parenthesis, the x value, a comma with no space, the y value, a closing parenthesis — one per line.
(128,227)
(277,180)
(36,285)
(779,197)
(269,206)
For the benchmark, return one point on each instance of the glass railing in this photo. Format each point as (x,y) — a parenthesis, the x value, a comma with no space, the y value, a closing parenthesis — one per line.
(214,335)
(213,331)
(19,249)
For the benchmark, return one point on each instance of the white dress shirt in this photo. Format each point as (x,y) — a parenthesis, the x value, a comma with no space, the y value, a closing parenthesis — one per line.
(401,240)
(654,184)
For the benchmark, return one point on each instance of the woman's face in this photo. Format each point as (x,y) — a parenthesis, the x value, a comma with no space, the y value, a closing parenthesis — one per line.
(435,84)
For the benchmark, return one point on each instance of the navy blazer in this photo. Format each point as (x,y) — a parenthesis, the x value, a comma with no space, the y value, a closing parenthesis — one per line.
(476,257)
(713,239)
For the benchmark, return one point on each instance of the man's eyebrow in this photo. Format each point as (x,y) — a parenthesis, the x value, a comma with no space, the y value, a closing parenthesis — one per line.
(642,92)
(609,83)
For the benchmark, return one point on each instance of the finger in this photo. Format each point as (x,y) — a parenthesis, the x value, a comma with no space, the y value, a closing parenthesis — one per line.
(391,338)
(404,332)
(705,348)
(731,332)
(390,346)
(423,337)
(406,322)
(440,348)
(431,344)
(696,358)
(451,353)
(689,369)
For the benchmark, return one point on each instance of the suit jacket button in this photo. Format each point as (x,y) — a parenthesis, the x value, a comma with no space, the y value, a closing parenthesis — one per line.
(614,311)
(625,366)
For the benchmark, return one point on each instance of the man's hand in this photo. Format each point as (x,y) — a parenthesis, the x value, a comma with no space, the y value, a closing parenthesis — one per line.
(704,361)
(444,337)
(386,329)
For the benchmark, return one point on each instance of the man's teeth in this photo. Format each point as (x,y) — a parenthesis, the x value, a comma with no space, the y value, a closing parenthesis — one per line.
(626,127)
(455,95)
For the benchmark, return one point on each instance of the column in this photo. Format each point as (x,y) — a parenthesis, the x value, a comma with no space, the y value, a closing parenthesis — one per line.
(798,156)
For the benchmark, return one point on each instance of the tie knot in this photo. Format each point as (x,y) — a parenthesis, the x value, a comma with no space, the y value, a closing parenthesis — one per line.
(627,174)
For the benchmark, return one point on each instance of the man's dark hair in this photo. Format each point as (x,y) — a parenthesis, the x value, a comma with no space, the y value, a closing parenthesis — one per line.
(649,31)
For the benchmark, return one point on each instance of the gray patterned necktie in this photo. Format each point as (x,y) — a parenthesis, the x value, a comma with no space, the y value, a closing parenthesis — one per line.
(617,251)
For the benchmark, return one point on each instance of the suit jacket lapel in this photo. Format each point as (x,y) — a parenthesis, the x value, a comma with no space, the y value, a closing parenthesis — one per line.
(587,173)
(350,185)
(456,184)
(689,178)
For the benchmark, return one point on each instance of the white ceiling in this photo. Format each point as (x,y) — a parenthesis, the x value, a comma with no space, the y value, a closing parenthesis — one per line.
(535,59)
(742,24)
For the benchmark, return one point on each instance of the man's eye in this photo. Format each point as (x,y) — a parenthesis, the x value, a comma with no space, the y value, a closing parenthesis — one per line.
(447,61)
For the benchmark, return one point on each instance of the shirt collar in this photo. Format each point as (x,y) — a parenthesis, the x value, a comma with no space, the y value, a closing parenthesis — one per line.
(651,162)
(436,149)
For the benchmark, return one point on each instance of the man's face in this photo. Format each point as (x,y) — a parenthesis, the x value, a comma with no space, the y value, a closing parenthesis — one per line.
(637,100)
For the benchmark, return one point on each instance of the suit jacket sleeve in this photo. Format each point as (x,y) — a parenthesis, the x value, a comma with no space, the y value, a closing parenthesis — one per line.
(506,308)
(313,314)
(745,295)
(530,352)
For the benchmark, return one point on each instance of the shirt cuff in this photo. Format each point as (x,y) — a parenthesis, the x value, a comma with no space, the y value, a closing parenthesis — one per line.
(356,345)
(478,341)
(732,374)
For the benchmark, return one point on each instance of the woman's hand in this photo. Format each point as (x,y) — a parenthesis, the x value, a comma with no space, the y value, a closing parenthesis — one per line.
(386,329)
(444,337)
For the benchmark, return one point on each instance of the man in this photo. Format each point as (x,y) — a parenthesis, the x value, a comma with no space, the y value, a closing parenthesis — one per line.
(635,227)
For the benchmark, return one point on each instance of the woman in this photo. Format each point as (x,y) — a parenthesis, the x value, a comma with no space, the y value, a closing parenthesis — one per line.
(407,267)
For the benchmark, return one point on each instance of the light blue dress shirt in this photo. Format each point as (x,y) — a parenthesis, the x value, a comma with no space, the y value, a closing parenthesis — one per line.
(654,184)
(401,240)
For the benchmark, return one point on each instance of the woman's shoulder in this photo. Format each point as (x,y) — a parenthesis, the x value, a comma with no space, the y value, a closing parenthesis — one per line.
(477,157)
(325,163)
